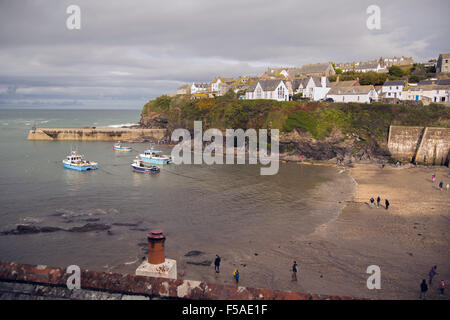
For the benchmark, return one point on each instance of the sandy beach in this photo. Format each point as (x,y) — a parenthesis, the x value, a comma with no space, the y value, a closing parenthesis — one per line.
(405,241)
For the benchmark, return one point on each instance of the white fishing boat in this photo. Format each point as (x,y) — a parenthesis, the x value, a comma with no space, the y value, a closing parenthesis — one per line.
(76,161)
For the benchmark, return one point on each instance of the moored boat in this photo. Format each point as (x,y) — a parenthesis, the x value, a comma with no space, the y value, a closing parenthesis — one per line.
(139,166)
(155,156)
(76,161)
(118,147)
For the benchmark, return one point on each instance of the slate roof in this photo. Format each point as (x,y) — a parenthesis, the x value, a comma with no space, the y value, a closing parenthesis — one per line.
(266,85)
(296,83)
(203,85)
(347,83)
(312,68)
(318,82)
(395,83)
(350,90)
(366,65)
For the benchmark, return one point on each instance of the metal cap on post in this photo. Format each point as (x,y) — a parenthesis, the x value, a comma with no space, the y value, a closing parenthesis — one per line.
(156,254)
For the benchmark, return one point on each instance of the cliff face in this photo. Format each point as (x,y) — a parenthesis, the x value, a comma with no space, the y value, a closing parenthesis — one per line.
(345,131)
(153,120)
(337,146)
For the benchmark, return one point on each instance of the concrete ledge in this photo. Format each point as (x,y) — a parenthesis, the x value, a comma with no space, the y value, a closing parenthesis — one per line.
(148,286)
(90,134)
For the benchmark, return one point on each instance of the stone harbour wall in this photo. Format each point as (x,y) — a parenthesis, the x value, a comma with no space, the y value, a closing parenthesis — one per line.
(94,134)
(425,145)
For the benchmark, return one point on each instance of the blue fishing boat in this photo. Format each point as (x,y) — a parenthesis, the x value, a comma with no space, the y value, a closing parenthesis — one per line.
(118,147)
(155,156)
(139,166)
(75,161)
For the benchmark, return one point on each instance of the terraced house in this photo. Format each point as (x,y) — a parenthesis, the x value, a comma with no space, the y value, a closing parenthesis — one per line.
(363,94)
(268,89)
(393,89)
(429,91)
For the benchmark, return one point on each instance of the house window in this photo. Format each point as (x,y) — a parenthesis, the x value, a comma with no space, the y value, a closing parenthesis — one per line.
(280,92)
(258,93)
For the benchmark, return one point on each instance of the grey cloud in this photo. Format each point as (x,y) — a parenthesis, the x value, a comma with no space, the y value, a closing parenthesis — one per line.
(135,51)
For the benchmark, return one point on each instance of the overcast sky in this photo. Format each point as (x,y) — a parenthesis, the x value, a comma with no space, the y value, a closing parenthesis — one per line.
(128,52)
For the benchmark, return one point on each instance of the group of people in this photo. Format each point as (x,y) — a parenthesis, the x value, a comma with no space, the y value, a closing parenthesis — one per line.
(424,286)
(441,184)
(217,261)
(217,269)
(372,203)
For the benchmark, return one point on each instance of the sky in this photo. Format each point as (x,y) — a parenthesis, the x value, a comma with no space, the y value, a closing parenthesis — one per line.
(127,52)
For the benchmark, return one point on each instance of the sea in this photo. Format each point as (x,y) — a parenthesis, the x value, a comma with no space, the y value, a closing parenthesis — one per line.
(100,219)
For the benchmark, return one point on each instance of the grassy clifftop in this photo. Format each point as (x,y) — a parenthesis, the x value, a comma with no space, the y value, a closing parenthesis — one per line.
(369,121)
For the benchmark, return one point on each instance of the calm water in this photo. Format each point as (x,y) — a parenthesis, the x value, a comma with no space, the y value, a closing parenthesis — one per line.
(207,208)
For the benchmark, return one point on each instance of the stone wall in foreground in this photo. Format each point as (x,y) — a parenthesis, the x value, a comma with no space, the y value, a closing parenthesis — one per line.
(91,134)
(153,288)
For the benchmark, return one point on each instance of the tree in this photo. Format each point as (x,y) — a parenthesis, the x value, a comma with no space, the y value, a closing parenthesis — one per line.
(396,71)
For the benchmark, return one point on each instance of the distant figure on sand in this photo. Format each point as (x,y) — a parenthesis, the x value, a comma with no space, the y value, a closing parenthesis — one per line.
(442,287)
(236,275)
(447,186)
(294,271)
(217,264)
(441,185)
(432,273)
(423,289)
(372,200)
(433,177)
(378,201)
(386,203)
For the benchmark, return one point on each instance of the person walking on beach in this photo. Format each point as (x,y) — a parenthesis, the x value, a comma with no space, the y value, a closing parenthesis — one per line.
(433,177)
(378,201)
(442,287)
(386,203)
(371,205)
(236,275)
(441,184)
(294,271)
(447,186)
(423,289)
(217,264)
(432,273)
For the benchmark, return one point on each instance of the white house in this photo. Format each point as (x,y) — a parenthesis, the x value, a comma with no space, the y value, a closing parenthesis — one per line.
(220,86)
(316,88)
(393,89)
(268,89)
(368,66)
(363,94)
(427,93)
(200,87)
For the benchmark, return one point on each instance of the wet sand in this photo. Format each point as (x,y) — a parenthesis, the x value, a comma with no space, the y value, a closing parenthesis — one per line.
(404,241)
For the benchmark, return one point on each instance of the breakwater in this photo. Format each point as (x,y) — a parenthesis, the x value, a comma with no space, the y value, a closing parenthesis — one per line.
(94,134)
(424,145)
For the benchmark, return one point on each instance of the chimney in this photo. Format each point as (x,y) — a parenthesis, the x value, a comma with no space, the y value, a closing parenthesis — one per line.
(156,264)
(156,239)
(324,82)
